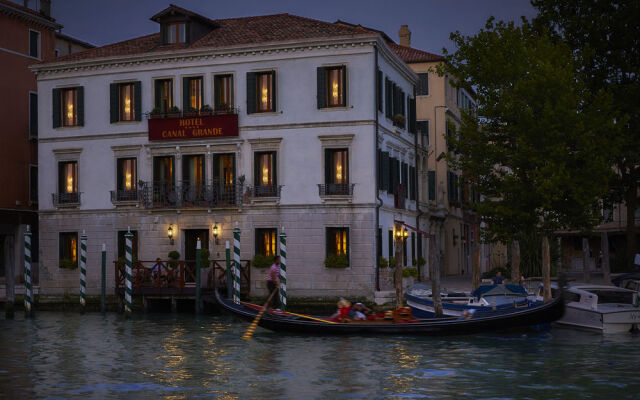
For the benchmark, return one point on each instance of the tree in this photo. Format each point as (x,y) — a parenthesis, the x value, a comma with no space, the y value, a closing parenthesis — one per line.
(605,37)
(536,152)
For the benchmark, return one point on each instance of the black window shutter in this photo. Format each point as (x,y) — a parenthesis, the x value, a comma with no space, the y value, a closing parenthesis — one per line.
(385,170)
(392,175)
(379,168)
(322,87)
(412,182)
(412,115)
(33,114)
(327,240)
(185,93)
(274,96)
(256,169)
(379,90)
(344,86)
(348,246)
(390,239)
(60,177)
(119,177)
(157,91)
(114,102)
(251,92)
(394,108)
(405,179)
(327,166)
(387,98)
(397,171)
(419,247)
(274,166)
(80,99)
(137,100)
(432,184)
(56,108)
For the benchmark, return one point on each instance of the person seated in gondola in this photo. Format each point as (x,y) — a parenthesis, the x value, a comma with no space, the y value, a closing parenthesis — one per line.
(344,309)
(362,312)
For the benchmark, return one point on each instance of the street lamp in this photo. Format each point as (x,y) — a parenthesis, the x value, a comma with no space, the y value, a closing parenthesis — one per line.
(170,234)
(215,232)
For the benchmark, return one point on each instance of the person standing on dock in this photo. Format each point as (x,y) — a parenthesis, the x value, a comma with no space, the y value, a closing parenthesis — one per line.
(273,283)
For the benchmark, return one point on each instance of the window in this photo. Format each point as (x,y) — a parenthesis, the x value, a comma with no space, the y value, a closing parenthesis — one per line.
(431,176)
(336,172)
(338,241)
(223,92)
(68,250)
(423,131)
(261,92)
(34,44)
(192,94)
(127,179)
(423,85)
(332,87)
(379,90)
(193,178)
(122,245)
(126,102)
(68,177)
(164,94)
(452,186)
(163,181)
(390,241)
(69,107)
(265,173)
(176,32)
(33,184)
(267,241)
(33,115)
(224,176)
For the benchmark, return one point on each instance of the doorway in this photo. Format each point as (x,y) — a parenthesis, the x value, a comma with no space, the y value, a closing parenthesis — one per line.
(191,237)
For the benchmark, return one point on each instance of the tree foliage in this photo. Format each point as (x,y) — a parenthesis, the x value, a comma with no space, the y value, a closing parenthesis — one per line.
(536,152)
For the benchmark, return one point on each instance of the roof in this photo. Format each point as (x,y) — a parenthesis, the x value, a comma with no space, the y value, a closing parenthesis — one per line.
(74,40)
(229,32)
(173,9)
(26,12)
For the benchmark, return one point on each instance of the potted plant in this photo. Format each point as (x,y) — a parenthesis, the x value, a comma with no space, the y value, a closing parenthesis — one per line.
(392,262)
(173,256)
(408,276)
(173,112)
(190,112)
(383,263)
(156,112)
(222,108)
(68,264)
(206,110)
(399,120)
(262,261)
(336,261)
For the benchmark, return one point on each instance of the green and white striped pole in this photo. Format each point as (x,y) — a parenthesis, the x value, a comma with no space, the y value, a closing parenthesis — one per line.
(128,262)
(236,264)
(28,296)
(103,283)
(283,270)
(83,271)
(227,254)
(198,265)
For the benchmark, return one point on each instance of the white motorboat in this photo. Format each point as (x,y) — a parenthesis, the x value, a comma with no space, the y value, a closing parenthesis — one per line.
(608,309)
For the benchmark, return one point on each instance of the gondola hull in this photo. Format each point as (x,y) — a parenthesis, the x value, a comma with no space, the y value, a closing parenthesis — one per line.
(515,319)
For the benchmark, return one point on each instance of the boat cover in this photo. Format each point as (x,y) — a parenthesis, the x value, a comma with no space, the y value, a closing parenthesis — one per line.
(499,290)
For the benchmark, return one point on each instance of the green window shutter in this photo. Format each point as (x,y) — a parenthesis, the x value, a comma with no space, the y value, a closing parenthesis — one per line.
(412,183)
(157,92)
(379,90)
(251,92)
(327,166)
(322,87)
(392,175)
(394,101)
(432,184)
(185,93)
(390,238)
(56,108)
(344,88)
(387,98)
(385,171)
(80,106)
(405,179)
(412,115)
(137,100)
(397,171)
(60,178)
(114,102)
(378,168)
(348,245)
(274,96)
(256,169)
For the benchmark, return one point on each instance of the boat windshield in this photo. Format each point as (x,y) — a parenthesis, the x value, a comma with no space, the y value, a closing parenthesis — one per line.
(613,296)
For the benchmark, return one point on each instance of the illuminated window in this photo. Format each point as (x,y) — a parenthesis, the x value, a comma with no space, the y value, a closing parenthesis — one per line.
(224,168)
(335,88)
(265,173)
(176,32)
(164,94)
(264,92)
(68,250)
(70,107)
(266,241)
(194,90)
(127,106)
(223,92)
(337,241)
(127,176)
(68,177)
(337,166)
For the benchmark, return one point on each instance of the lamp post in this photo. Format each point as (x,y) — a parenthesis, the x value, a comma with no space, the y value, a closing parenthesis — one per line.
(399,234)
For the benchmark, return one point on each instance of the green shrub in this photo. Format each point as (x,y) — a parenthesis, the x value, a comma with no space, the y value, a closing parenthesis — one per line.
(68,264)
(204,258)
(420,262)
(261,261)
(174,110)
(383,262)
(392,262)
(336,261)
(173,255)
(410,272)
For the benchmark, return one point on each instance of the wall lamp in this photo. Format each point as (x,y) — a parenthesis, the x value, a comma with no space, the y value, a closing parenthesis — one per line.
(170,235)
(215,232)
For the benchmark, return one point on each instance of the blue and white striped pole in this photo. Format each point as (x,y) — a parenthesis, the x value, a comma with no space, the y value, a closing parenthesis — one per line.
(128,261)
(83,271)
(236,264)
(28,295)
(283,270)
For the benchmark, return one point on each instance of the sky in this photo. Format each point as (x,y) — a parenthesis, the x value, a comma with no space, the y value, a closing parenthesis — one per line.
(101,22)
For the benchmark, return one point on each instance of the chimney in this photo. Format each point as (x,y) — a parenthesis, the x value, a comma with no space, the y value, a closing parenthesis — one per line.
(405,36)
(45,7)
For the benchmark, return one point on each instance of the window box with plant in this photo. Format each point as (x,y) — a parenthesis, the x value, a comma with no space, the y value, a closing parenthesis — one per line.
(206,110)
(156,112)
(173,112)
(262,261)
(68,264)
(399,120)
(190,112)
(223,108)
(336,261)
(174,256)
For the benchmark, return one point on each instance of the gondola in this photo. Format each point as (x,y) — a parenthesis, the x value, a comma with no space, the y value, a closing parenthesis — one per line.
(515,319)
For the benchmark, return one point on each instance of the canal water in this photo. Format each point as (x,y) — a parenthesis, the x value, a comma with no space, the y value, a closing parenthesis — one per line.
(159,356)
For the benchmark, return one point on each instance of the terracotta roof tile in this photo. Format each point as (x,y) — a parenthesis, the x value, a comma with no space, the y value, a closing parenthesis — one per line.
(411,55)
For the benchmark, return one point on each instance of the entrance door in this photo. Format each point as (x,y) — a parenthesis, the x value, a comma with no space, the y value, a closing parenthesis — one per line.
(190,241)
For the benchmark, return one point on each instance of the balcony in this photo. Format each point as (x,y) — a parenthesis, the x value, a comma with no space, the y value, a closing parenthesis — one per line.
(336,191)
(265,191)
(66,199)
(125,196)
(169,195)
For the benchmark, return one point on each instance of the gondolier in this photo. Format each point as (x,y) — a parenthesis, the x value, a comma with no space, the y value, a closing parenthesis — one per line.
(273,283)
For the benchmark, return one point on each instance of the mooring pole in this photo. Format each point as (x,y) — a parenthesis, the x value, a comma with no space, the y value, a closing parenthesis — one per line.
(128,291)
(283,270)
(198,262)
(103,285)
(28,294)
(229,275)
(83,271)
(236,266)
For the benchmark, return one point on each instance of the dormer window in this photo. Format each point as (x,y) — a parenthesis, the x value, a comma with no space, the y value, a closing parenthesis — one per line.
(176,32)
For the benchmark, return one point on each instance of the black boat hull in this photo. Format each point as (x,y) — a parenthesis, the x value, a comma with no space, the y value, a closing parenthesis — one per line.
(515,319)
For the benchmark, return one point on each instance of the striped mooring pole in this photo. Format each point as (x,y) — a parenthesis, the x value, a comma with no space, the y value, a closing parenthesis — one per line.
(28,294)
(236,264)
(283,270)
(227,254)
(103,283)
(198,272)
(83,271)
(128,262)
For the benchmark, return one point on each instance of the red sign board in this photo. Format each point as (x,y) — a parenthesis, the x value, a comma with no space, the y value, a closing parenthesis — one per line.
(201,127)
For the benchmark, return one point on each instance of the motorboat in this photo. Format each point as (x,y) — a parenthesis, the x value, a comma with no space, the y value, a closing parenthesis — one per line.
(608,309)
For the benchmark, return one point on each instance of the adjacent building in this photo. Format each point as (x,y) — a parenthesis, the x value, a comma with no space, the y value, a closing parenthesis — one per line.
(271,124)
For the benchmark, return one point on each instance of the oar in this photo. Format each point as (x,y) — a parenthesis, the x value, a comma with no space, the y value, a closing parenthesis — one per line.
(247,335)
(301,315)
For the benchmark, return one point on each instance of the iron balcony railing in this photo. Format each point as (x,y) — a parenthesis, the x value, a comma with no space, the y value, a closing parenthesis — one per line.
(65,199)
(125,196)
(265,191)
(336,189)
(162,194)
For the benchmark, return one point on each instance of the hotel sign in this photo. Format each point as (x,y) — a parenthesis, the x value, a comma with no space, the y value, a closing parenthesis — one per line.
(201,127)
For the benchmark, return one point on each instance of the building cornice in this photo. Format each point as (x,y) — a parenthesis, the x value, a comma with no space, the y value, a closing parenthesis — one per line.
(17,12)
(393,59)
